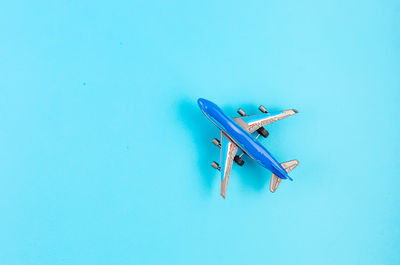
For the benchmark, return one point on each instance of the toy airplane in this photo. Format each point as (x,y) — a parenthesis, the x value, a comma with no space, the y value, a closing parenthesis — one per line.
(236,134)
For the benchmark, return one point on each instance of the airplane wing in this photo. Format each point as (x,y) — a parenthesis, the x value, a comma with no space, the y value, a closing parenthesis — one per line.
(254,122)
(228,152)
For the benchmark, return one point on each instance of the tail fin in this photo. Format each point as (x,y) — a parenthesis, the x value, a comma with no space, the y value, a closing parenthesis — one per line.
(275,180)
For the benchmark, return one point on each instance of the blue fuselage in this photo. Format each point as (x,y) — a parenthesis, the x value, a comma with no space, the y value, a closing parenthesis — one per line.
(241,138)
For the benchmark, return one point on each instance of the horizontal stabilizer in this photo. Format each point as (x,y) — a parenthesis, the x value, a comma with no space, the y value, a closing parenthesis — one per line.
(290,165)
(275,180)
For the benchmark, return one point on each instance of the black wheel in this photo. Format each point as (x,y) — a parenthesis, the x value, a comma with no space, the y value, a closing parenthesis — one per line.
(238,160)
(263,132)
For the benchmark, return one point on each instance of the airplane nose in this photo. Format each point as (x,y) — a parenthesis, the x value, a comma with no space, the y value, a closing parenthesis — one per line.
(200,101)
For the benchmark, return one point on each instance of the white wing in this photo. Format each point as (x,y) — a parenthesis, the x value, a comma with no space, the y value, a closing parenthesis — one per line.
(228,152)
(254,122)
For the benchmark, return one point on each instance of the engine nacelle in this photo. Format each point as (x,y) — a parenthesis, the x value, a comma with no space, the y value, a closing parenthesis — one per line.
(241,112)
(216,142)
(215,165)
(262,109)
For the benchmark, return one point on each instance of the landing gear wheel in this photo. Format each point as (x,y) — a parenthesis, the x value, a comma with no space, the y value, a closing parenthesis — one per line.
(239,160)
(263,132)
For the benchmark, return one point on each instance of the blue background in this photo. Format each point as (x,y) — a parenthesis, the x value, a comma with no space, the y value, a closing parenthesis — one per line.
(105,156)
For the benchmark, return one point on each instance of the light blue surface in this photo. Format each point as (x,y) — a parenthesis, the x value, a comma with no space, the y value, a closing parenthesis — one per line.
(105,155)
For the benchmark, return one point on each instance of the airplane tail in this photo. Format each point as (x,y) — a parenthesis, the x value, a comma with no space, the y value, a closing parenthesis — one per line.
(275,180)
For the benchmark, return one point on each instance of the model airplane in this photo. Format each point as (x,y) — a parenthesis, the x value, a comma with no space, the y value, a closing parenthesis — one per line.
(237,134)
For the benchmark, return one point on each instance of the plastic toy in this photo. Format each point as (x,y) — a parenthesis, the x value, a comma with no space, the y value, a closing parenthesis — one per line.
(237,134)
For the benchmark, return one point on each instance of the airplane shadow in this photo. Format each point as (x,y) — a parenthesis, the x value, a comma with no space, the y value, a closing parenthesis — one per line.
(251,175)
(201,132)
